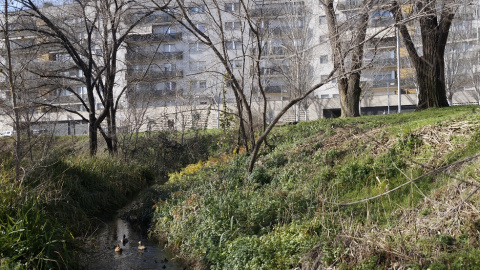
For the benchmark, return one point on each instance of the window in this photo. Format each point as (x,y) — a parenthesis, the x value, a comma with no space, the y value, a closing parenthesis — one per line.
(323,59)
(323,38)
(164,30)
(198,84)
(233,45)
(81,90)
(197,65)
(197,9)
(169,67)
(323,20)
(232,25)
(170,86)
(60,57)
(201,27)
(384,76)
(232,6)
(324,96)
(236,64)
(168,48)
(335,95)
(300,23)
(64,92)
(197,47)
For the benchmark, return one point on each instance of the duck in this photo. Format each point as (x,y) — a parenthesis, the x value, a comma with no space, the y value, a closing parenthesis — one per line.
(140,246)
(124,240)
(118,249)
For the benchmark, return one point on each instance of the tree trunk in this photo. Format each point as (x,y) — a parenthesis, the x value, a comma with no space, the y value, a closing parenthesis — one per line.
(350,96)
(431,84)
(92,134)
(430,68)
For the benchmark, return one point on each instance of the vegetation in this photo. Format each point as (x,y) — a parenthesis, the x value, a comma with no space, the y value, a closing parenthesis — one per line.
(303,205)
(65,194)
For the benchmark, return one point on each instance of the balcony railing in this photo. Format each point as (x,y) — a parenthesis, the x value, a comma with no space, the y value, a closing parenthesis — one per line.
(155,37)
(387,83)
(146,56)
(154,75)
(64,99)
(273,89)
(268,11)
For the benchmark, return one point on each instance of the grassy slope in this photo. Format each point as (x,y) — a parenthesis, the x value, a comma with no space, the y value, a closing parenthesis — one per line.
(284,215)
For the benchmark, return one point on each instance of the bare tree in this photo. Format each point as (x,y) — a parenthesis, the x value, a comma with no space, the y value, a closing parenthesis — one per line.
(435,19)
(347,39)
(91,33)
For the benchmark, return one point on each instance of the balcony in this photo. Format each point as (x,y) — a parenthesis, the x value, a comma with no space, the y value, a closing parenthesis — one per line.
(52,66)
(376,43)
(382,22)
(273,89)
(148,56)
(155,37)
(154,18)
(273,51)
(274,70)
(387,83)
(154,75)
(153,93)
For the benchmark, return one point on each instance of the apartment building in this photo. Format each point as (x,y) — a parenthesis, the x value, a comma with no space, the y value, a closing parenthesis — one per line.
(162,63)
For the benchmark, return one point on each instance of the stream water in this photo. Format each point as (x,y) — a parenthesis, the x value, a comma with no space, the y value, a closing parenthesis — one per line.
(101,253)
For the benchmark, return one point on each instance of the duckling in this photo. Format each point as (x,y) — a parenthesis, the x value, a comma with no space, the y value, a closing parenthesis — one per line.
(124,240)
(140,246)
(118,249)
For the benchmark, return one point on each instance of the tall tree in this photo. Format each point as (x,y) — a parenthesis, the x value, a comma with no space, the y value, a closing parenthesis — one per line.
(435,19)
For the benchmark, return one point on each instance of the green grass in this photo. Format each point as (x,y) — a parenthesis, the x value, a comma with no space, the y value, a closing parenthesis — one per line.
(283,215)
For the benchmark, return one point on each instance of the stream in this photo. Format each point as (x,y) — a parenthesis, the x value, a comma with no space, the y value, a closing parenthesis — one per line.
(100,249)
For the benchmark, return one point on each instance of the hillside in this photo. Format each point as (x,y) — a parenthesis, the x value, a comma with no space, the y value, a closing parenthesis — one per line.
(375,192)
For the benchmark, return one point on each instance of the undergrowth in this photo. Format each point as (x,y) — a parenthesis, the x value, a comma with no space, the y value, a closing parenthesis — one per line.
(294,211)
